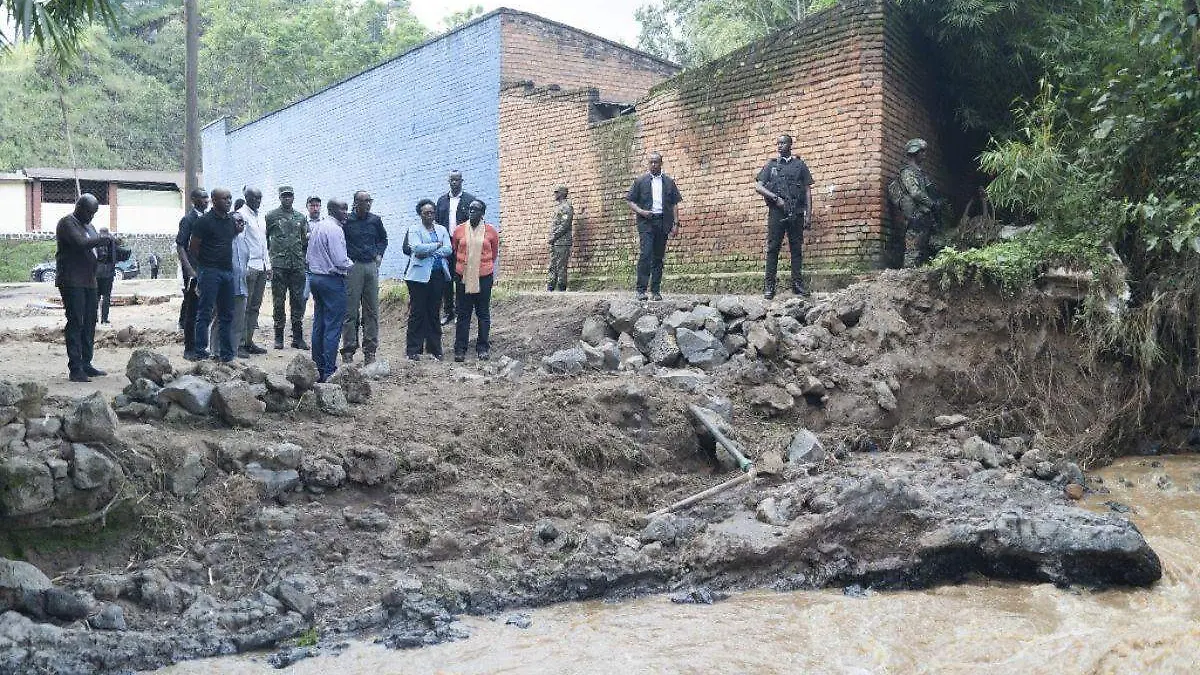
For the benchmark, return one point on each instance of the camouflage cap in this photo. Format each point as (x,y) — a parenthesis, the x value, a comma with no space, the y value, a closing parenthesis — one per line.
(561,187)
(915,145)
(286,190)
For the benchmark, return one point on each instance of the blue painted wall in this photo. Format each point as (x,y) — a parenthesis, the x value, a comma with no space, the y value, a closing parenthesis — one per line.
(395,131)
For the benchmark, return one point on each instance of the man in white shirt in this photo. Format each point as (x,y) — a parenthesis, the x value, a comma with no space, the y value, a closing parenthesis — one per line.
(258,268)
(653,197)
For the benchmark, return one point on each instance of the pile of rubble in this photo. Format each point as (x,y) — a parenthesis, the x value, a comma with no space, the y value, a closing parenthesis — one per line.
(238,395)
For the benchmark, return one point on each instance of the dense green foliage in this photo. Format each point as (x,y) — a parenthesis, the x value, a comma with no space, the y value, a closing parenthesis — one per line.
(56,25)
(692,32)
(124,89)
(17,257)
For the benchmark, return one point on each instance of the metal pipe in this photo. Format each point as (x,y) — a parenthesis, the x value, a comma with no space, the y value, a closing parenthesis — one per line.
(734,449)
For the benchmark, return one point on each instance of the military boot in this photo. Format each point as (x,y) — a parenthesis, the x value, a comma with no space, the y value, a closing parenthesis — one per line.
(279,337)
(298,337)
(769,289)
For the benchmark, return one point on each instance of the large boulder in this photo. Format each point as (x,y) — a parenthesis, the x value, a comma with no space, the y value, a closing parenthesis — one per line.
(644,329)
(280,456)
(701,348)
(235,404)
(595,331)
(185,478)
(622,314)
(663,349)
(606,356)
(331,400)
(91,469)
(990,456)
(764,343)
(142,390)
(92,420)
(272,483)
(805,447)
(770,400)
(710,320)
(190,392)
(26,485)
(21,586)
(32,395)
(369,465)
(355,385)
(730,306)
(146,364)
(302,373)
(566,361)
(681,319)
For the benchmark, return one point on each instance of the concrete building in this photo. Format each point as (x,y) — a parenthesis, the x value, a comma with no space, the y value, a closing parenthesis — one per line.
(397,129)
(131,202)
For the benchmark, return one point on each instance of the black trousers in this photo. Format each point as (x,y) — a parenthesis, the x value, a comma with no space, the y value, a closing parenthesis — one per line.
(479,303)
(448,291)
(652,249)
(104,295)
(79,304)
(424,323)
(776,228)
(187,314)
(287,292)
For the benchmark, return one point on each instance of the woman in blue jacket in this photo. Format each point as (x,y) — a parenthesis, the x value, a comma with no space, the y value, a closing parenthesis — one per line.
(426,276)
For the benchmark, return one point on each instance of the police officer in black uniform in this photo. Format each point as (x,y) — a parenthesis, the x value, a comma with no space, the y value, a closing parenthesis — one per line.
(786,185)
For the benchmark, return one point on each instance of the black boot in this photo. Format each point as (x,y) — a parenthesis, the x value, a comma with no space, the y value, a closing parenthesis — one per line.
(798,289)
(769,289)
(298,337)
(279,337)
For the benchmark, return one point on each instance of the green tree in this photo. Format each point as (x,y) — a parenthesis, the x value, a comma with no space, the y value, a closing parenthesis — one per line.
(692,32)
(57,25)
(455,19)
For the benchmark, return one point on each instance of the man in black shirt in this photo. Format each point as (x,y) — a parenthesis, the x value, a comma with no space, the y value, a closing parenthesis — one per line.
(211,245)
(786,185)
(75,265)
(187,264)
(366,242)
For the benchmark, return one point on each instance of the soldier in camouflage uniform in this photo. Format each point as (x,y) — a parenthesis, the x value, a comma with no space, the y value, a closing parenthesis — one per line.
(560,239)
(287,241)
(918,203)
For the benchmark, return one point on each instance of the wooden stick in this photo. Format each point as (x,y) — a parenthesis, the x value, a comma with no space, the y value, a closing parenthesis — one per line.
(747,477)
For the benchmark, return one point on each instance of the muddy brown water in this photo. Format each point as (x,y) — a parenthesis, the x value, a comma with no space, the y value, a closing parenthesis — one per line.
(971,628)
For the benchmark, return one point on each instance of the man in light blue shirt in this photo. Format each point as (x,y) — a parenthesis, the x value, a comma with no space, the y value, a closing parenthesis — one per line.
(328,266)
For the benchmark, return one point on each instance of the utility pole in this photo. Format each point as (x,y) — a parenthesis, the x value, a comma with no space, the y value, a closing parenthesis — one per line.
(191,140)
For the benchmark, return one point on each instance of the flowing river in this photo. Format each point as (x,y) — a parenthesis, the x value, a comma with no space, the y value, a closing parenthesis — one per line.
(979,627)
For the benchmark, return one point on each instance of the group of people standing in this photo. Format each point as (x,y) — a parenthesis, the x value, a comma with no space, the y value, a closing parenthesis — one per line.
(230,251)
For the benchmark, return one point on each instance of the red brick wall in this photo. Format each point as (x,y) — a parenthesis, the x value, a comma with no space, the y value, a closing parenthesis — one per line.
(545,53)
(825,81)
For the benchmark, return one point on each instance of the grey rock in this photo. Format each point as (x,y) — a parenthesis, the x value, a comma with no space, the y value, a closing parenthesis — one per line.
(112,617)
(279,456)
(276,518)
(91,469)
(1013,446)
(850,313)
(42,427)
(683,379)
(355,385)
(151,588)
(331,400)
(149,365)
(566,361)
(92,420)
(606,357)
(368,465)
(644,329)
(623,313)
(764,343)
(32,395)
(323,471)
(26,486)
(142,390)
(519,620)
(184,480)
(632,363)
(21,586)
(755,308)
(302,373)
(190,392)
(696,596)
(884,396)
(734,343)
(804,448)
(368,519)
(770,400)
(272,483)
(812,386)
(278,384)
(990,456)
(64,605)
(774,511)
(663,349)
(1044,470)
(950,421)
(296,599)
(731,306)
(700,348)
(254,375)
(235,404)
(377,370)
(1034,457)
(718,404)
(671,529)
(59,468)
(11,434)
(710,320)
(681,319)
(595,331)
(10,394)
(8,414)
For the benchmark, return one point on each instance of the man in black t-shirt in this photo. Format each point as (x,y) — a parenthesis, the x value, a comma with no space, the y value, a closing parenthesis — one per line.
(786,185)
(211,245)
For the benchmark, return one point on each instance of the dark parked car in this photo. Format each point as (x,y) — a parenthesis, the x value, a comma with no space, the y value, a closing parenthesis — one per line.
(47,271)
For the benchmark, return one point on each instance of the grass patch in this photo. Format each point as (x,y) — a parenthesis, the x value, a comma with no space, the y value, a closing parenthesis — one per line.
(17,257)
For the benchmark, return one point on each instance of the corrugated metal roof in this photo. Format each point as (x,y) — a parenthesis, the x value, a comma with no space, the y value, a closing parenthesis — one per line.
(108,175)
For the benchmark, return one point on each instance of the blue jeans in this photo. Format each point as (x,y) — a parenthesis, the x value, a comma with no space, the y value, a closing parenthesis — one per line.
(216,290)
(329,311)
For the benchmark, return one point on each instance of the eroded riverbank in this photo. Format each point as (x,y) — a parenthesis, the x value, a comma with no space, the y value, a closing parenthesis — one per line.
(1001,627)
